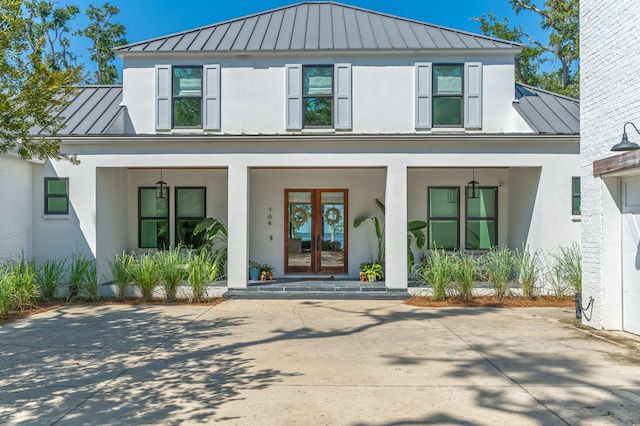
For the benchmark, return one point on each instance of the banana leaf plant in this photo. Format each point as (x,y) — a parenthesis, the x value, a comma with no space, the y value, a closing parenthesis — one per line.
(215,235)
(414,231)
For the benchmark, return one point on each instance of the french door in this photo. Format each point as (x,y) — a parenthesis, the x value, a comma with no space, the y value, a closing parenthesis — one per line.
(316,231)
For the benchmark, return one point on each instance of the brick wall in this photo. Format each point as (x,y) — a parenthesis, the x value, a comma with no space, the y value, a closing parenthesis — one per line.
(15,208)
(610,96)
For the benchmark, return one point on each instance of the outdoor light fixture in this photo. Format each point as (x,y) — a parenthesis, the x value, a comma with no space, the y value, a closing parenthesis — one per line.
(161,187)
(624,144)
(474,186)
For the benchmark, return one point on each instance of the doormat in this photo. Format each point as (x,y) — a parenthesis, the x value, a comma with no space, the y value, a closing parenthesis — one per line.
(317,278)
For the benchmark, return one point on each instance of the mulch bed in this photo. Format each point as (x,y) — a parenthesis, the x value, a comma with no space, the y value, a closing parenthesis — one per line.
(491,302)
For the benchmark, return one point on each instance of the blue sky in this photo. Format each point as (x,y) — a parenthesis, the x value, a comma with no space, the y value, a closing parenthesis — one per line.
(146,19)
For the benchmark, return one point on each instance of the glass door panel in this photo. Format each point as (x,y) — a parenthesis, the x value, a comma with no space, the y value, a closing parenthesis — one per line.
(333,235)
(299,253)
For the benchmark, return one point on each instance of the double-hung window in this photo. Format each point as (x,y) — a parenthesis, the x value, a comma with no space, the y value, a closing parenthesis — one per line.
(190,210)
(153,219)
(56,196)
(187,97)
(444,217)
(317,94)
(447,96)
(481,218)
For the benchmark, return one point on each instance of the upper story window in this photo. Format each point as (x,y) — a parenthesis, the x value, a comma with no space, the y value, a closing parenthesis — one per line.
(318,96)
(317,93)
(187,96)
(447,95)
(56,196)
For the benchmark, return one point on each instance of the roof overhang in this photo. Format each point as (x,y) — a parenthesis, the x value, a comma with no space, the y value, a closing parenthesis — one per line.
(627,162)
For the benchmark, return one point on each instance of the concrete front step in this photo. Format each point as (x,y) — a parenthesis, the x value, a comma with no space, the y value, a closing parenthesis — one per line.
(385,294)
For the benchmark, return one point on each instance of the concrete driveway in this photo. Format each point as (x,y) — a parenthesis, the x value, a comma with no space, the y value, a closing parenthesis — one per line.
(312,362)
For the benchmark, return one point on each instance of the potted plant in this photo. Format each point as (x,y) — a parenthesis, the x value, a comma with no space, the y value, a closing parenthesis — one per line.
(372,270)
(254,271)
(266,272)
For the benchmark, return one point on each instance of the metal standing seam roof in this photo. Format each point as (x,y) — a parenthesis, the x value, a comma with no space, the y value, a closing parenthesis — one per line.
(95,110)
(548,112)
(317,26)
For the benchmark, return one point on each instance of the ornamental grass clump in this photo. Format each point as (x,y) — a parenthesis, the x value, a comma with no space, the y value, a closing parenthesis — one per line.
(146,276)
(172,266)
(437,270)
(48,277)
(120,267)
(200,266)
(90,282)
(18,288)
(528,266)
(465,274)
(569,261)
(499,268)
(78,273)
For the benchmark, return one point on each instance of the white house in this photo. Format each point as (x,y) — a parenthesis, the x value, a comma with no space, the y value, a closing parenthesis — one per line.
(610,95)
(289,123)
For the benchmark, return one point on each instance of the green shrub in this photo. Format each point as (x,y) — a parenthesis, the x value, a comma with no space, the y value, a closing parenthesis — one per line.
(146,276)
(437,270)
(18,288)
(527,267)
(499,267)
(200,266)
(90,282)
(172,270)
(120,267)
(78,271)
(465,274)
(48,277)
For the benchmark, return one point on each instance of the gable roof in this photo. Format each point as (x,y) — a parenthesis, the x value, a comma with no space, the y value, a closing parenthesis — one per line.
(95,110)
(547,112)
(317,26)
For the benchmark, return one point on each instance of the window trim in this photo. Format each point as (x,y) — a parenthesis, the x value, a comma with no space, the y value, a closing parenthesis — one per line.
(434,95)
(467,218)
(457,218)
(331,96)
(575,195)
(141,218)
(47,196)
(177,218)
(174,97)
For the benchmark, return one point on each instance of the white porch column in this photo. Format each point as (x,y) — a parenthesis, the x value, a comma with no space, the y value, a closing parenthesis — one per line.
(238,199)
(396,227)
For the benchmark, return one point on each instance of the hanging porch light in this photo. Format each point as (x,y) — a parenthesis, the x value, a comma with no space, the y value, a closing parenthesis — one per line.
(474,186)
(161,187)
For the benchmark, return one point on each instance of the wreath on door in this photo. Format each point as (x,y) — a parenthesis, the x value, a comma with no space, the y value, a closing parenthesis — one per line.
(299,216)
(332,216)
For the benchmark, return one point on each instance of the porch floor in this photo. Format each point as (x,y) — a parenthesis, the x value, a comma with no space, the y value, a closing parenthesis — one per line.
(295,288)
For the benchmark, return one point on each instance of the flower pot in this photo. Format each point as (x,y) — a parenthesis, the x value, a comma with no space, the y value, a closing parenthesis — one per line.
(254,274)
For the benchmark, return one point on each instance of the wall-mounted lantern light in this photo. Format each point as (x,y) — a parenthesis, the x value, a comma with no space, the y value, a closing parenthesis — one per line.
(625,144)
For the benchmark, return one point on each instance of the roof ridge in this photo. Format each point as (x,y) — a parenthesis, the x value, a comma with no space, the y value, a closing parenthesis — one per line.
(294,5)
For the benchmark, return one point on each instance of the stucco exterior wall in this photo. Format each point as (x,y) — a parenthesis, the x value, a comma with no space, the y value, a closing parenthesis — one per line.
(610,96)
(253,93)
(15,208)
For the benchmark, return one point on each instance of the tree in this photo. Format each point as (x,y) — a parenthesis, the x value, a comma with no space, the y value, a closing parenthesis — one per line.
(560,18)
(105,35)
(32,90)
(51,24)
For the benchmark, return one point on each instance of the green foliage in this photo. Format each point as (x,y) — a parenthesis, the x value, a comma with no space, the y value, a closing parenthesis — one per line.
(560,18)
(33,91)
(79,272)
(145,275)
(200,271)
(90,282)
(172,266)
(18,288)
(216,238)
(528,267)
(437,270)
(568,262)
(373,270)
(120,267)
(465,274)
(104,35)
(414,231)
(499,264)
(48,277)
